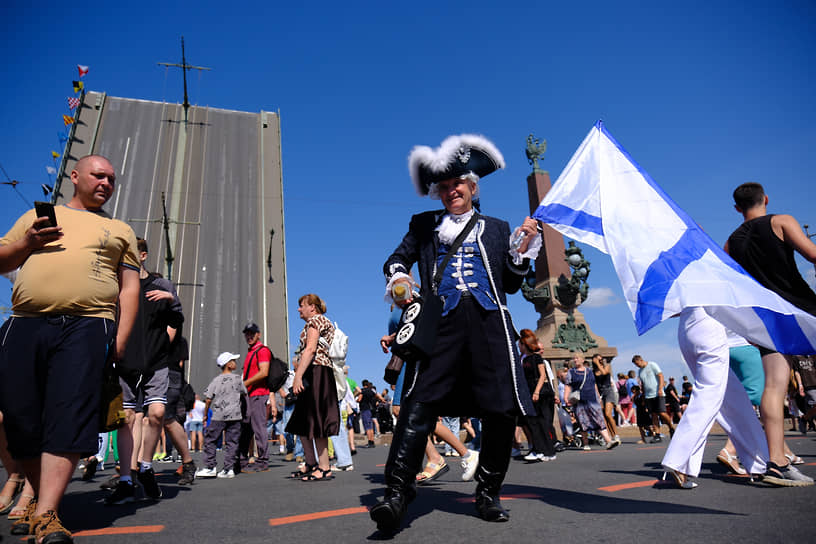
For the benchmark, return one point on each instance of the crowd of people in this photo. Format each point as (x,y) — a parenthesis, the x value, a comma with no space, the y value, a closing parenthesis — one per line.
(106,311)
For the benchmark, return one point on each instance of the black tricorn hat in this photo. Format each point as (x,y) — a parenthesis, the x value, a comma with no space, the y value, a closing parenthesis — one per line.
(456,156)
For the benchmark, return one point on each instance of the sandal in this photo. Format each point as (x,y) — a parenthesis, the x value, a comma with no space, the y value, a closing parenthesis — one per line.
(7,501)
(324,475)
(307,470)
(680,479)
(795,459)
(432,472)
(730,462)
(19,511)
(786,476)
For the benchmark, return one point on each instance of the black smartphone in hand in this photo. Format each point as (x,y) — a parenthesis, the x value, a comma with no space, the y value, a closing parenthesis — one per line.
(46,209)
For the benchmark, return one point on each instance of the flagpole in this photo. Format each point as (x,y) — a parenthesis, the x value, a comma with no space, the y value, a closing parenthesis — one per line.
(67,149)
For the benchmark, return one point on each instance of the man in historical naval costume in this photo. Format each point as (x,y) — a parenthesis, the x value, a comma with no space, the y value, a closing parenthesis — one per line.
(474,366)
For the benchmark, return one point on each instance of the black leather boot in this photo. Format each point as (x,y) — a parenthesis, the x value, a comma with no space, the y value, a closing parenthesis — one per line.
(494,459)
(416,421)
(488,504)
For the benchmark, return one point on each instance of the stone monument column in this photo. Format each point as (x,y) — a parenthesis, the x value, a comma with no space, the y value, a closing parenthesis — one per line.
(559,285)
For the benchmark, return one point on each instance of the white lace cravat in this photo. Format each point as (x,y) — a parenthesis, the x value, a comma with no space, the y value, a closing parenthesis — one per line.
(452,225)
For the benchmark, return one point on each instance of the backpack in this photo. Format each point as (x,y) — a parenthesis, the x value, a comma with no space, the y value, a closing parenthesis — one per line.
(623,392)
(337,353)
(278,372)
(339,346)
(188,396)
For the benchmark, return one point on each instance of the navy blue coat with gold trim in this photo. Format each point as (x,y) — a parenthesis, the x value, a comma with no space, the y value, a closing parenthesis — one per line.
(420,245)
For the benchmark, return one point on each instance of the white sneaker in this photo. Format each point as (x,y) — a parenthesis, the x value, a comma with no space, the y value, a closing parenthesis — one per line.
(469,465)
(614,444)
(532,456)
(206,473)
(542,457)
(226,473)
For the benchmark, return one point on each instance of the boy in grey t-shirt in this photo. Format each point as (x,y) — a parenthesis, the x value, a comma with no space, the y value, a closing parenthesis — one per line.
(223,395)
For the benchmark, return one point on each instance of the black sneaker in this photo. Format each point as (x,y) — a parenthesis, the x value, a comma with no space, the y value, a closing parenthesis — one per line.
(111,483)
(90,469)
(188,471)
(148,480)
(124,492)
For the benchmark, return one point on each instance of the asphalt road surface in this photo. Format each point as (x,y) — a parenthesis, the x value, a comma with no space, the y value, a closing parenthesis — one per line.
(594,496)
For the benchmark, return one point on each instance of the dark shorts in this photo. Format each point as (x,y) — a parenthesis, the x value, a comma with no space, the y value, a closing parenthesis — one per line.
(656,405)
(175,404)
(51,381)
(368,421)
(765,351)
(152,386)
(609,394)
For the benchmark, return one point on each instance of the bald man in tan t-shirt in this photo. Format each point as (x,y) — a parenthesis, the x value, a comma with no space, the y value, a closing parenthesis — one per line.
(71,278)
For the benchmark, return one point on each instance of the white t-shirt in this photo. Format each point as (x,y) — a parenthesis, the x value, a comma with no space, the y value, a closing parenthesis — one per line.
(197,413)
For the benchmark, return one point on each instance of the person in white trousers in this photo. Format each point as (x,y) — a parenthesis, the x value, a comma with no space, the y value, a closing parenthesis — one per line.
(717,395)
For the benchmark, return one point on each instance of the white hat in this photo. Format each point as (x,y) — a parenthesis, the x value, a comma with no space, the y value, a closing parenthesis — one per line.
(226,357)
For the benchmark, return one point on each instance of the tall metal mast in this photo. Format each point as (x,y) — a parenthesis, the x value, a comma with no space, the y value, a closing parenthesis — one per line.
(184,67)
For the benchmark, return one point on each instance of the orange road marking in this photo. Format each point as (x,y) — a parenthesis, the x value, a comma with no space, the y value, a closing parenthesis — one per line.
(633,485)
(382,465)
(135,530)
(317,515)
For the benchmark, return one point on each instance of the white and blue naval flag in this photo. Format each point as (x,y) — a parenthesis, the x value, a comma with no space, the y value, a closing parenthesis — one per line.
(664,260)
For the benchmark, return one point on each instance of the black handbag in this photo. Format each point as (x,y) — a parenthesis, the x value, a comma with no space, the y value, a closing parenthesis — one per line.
(393,369)
(419,324)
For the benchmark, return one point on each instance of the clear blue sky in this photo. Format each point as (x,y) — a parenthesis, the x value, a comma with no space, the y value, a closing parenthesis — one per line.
(704,95)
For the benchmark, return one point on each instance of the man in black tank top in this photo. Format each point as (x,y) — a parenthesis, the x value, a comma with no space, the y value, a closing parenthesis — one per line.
(763,245)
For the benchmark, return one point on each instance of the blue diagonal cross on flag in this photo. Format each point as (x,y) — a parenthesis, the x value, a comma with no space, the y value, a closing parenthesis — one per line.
(663,259)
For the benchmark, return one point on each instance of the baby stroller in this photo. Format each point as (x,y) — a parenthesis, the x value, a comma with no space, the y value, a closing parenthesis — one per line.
(593,437)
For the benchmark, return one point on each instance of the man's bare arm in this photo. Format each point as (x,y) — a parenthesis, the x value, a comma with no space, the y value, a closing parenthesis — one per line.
(13,255)
(260,377)
(129,292)
(794,236)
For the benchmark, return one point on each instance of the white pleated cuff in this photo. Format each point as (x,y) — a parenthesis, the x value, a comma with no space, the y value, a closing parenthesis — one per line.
(394,278)
(531,253)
